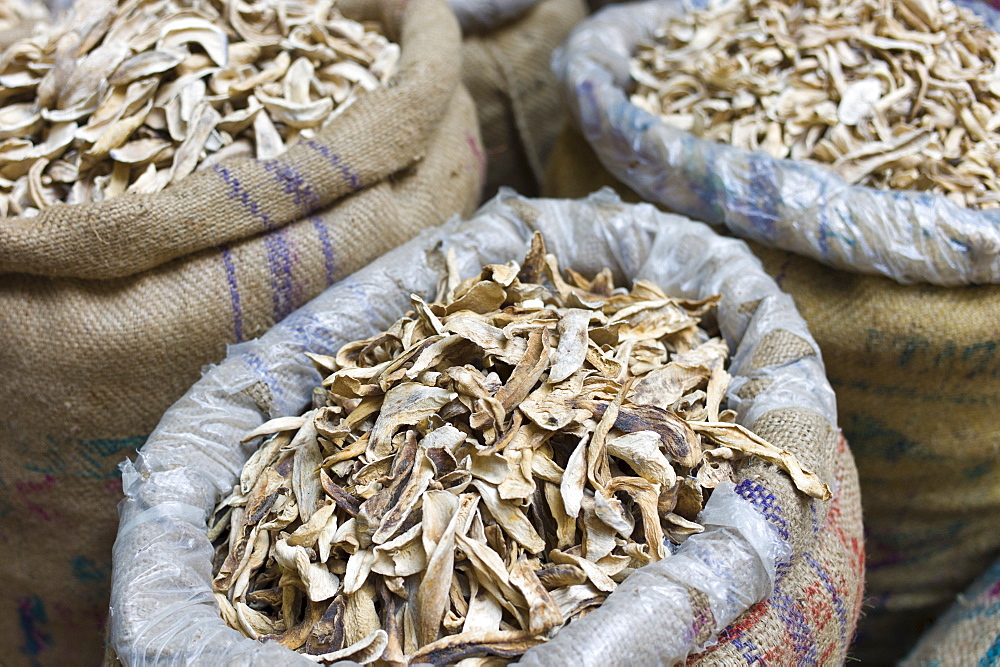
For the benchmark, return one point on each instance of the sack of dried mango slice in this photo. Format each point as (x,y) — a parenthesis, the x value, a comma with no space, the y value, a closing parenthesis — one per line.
(898,355)
(505,66)
(116,305)
(426,410)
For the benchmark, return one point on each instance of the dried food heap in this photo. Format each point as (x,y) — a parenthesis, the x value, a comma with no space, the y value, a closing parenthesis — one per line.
(133,96)
(484,471)
(902,95)
(13,13)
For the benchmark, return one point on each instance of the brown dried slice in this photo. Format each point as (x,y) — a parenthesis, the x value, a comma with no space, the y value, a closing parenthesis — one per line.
(571,352)
(504,643)
(277,425)
(406,404)
(364,651)
(296,636)
(320,583)
(486,336)
(401,556)
(306,484)
(680,442)
(600,581)
(327,635)
(646,497)
(559,576)
(417,483)
(738,438)
(512,519)
(543,611)
(432,594)
(490,572)
(574,479)
(574,599)
(641,451)
(527,372)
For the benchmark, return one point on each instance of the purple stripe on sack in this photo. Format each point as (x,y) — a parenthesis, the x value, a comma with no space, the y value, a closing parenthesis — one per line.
(292,183)
(234,292)
(838,603)
(326,244)
(758,496)
(750,652)
(349,175)
(238,192)
(281,259)
(796,626)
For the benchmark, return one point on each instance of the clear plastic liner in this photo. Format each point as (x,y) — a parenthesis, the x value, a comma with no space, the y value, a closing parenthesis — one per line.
(486,15)
(726,563)
(162,608)
(790,204)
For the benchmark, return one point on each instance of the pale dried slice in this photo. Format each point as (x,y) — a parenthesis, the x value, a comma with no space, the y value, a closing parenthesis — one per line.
(207,82)
(739,438)
(479,474)
(890,84)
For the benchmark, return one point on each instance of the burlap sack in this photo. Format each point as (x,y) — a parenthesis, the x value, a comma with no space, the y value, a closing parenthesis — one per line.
(969,634)
(520,112)
(150,289)
(774,536)
(916,369)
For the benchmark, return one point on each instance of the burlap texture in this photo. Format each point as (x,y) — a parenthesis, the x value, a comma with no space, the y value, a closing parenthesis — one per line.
(520,112)
(969,633)
(382,133)
(811,615)
(916,369)
(573,170)
(91,364)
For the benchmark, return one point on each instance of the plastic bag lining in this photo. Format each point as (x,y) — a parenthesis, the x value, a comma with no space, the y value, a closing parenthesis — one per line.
(162,608)
(795,205)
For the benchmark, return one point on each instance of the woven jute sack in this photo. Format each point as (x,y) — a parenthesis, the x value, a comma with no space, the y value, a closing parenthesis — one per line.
(520,112)
(108,312)
(808,575)
(916,369)
(969,633)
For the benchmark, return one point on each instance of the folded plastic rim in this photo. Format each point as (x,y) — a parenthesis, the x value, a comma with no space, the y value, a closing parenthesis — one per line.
(794,205)
(162,607)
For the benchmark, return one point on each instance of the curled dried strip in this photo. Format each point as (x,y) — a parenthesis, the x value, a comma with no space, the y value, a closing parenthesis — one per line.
(483,472)
(890,94)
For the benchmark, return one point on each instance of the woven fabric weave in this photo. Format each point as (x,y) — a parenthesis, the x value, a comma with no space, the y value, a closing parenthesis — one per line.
(92,358)
(916,369)
(520,112)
